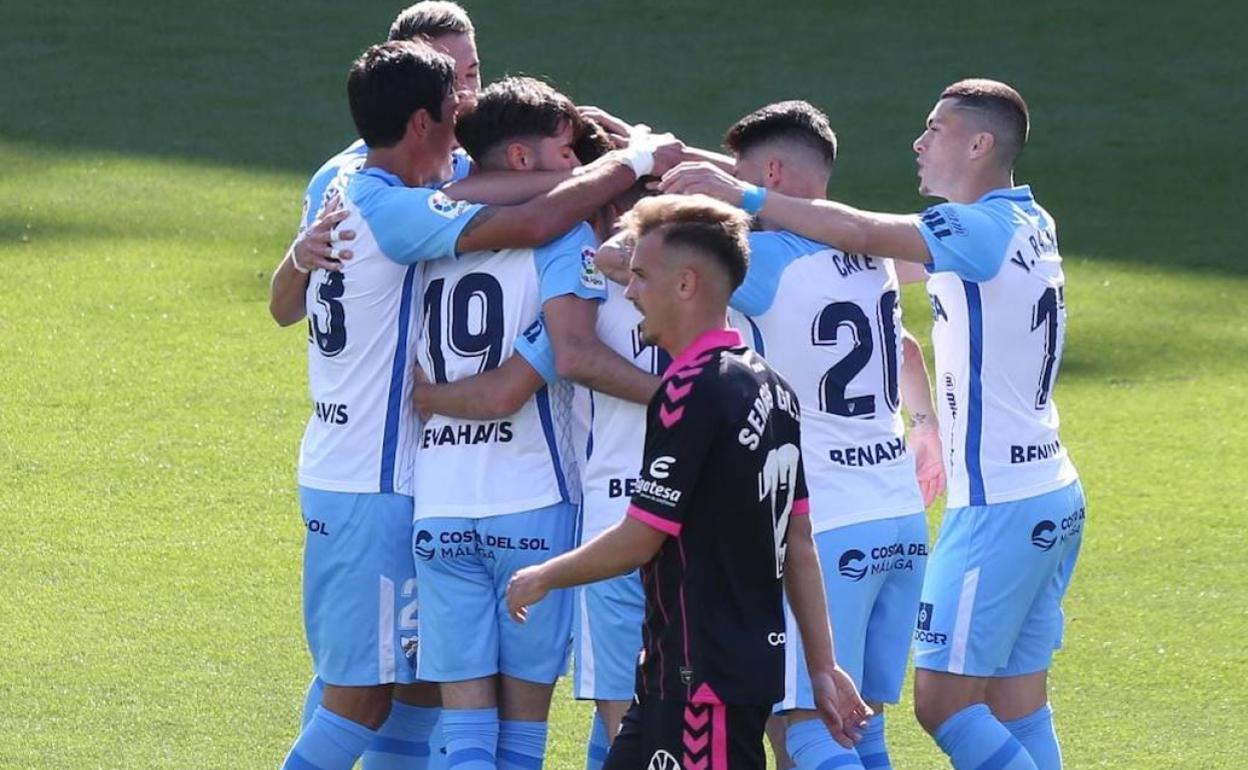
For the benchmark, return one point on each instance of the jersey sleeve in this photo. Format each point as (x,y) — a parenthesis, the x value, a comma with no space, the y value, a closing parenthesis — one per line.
(534,346)
(963,239)
(680,428)
(770,254)
(461,165)
(566,266)
(801,495)
(415,224)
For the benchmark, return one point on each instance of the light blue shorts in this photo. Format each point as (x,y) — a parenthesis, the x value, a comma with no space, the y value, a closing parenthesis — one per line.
(607,629)
(872,575)
(992,600)
(464,566)
(359,587)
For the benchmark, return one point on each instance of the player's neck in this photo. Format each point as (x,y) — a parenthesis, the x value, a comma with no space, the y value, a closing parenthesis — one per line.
(977,185)
(692,330)
(399,162)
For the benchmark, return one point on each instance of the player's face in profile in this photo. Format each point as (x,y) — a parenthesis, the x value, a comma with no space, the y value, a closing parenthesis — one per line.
(440,139)
(463,49)
(941,148)
(651,287)
(554,153)
(751,168)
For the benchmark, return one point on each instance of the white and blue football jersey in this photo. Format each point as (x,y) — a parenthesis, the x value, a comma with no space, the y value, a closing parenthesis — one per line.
(472,309)
(829,322)
(1000,321)
(362,322)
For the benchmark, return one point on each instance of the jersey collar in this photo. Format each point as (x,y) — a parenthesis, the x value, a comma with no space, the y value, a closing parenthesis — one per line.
(1019,194)
(715,338)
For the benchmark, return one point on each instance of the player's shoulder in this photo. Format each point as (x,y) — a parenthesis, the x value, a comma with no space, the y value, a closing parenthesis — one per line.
(784,244)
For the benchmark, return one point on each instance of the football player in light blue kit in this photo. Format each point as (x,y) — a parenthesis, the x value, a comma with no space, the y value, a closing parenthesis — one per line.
(356,481)
(990,616)
(497,495)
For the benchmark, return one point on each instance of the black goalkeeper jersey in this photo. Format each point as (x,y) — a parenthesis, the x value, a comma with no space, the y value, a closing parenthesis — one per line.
(721,474)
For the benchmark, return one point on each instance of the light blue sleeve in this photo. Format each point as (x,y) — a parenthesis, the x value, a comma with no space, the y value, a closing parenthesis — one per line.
(314,196)
(770,254)
(966,240)
(566,266)
(461,164)
(411,224)
(534,346)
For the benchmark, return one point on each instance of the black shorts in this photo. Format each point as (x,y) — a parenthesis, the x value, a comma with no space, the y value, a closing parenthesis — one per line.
(672,735)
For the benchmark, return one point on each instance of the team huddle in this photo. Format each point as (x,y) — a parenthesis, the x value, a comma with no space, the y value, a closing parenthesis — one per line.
(583,392)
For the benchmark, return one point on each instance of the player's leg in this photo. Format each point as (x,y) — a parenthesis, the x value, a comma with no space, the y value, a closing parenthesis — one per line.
(607,629)
(987,570)
(532,655)
(1019,695)
(351,609)
(404,741)
(852,579)
(459,638)
(890,629)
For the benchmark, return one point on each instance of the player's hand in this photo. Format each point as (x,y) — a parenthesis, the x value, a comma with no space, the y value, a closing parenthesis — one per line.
(839,704)
(701,177)
(929,464)
(319,245)
(668,153)
(613,125)
(526,588)
(613,258)
(421,388)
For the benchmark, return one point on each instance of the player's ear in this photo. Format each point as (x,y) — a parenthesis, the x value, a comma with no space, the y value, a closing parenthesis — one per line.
(775,172)
(519,156)
(982,144)
(687,282)
(418,123)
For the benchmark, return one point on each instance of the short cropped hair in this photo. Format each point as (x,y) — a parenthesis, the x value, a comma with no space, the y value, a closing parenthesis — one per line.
(699,222)
(430,19)
(1001,108)
(512,108)
(794,121)
(592,142)
(390,82)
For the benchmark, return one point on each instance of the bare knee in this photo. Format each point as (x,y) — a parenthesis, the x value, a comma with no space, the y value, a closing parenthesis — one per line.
(524,701)
(418,694)
(938,696)
(368,706)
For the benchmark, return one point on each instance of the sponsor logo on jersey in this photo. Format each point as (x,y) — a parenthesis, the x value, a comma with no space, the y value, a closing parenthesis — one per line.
(591,278)
(1030,453)
(660,493)
(662,760)
(467,434)
(943,221)
(776,638)
(331,414)
(880,559)
(1043,535)
(923,631)
(849,565)
(410,646)
(318,527)
(925,616)
(661,467)
(445,207)
(459,543)
(871,454)
(422,551)
(951,394)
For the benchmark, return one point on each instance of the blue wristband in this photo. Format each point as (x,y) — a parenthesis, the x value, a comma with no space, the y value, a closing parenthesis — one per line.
(753,199)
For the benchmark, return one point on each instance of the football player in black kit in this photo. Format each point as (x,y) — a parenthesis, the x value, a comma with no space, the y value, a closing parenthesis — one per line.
(719,523)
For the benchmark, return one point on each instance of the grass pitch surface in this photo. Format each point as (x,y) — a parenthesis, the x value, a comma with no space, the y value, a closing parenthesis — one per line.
(153,161)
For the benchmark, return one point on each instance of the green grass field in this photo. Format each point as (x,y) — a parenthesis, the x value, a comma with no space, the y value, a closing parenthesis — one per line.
(152,160)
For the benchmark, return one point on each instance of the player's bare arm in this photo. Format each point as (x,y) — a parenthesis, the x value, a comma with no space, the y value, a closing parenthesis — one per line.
(924,436)
(581,357)
(613,256)
(836,697)
(491,395)
(623,548)
(505,188)
(836,224)
(620,129)
(554,213)
(311,250)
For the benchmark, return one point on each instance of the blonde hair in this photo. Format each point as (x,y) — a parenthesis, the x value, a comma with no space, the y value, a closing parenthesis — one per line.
(699,222)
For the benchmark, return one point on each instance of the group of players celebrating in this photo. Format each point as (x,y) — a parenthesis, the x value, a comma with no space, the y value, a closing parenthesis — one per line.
(556,362)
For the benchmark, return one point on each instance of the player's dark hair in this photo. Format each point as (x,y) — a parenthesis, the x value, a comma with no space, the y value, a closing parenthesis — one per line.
(592,142)
(792,121)
(430,19)
(392,81)
(512,108)
(1002,109)
(699,222)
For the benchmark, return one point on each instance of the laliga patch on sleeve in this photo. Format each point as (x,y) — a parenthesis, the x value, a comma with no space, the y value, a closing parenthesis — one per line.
(590,277)
(445,207)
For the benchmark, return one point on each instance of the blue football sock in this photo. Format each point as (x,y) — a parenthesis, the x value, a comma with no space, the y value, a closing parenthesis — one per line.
(811,747)
(471,738)
(316,690)
(871,749)
(329,742)
(1035,731)
(402,743)
(596,753)
(975,740)
(521,745)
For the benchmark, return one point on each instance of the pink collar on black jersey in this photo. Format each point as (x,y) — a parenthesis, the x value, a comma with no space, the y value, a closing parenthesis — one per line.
(715,338)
